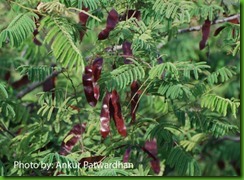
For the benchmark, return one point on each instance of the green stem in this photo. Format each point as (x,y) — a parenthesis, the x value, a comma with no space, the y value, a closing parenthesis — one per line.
(75,92)
(24,7)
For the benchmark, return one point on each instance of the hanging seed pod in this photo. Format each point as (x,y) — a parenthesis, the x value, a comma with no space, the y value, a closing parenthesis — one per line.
(127,52)
(234,21)
(105,116)
(112,20)
(83,20)
(126,155)
(90,78)
(134,100)
(72,138)
(49,85)
(23,81)
(103,34)
(88,86)
(96,89)
(83,17)
(205,33)
(151,149)
(218,30)
(117,114)
(7,76)
(97,69)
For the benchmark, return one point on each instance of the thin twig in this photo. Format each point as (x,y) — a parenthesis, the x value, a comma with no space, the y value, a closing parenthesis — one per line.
(218,21)
(75,91)
(198,28)
(24,7)
(229,138)
(35,85)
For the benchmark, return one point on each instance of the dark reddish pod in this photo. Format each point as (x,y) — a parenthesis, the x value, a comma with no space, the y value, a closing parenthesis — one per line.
(87,81)
(96,90)
(83,20)
(73,137)
(83,17)
(205,33)
(234,21)
(37,42)
(112,20)
(49,85)
(7,76)
(117,114)
(105,116)
(218,30)
(23,81)
(151,149)
(126,155)
(131,14)
(97,69)
(221,164)
(90,78)
(127,52)
(103,34)
(134,100)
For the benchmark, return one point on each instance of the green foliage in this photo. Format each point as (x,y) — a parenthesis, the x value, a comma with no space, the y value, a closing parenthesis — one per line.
(212,123)
(172,69)
(6,109)
(3,92)
(39,73)
(61,36)
(60,103)
(1,169)
(219,104)
(190,144)
(60,161)
(91,4)
(179,12)
(174,91)
(158,70)
(176,10)
(187,99)
(20,28)
(123,76)
(183,162)
(224,73)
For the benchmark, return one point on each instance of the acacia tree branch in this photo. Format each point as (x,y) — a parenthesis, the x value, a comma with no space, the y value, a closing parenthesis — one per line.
(180,31)
(198,28)
(218,21)
(230,138)
(35,85)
